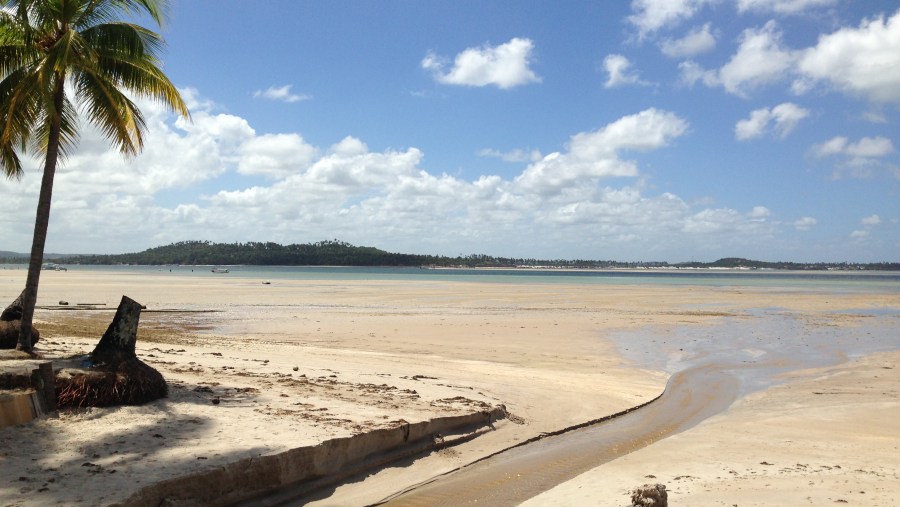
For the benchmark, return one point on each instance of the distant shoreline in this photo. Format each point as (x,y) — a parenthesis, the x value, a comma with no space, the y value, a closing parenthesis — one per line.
(536,269)
(338,253)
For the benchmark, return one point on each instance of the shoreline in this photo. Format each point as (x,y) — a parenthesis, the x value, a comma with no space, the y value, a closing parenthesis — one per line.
(550,269)
(545,351)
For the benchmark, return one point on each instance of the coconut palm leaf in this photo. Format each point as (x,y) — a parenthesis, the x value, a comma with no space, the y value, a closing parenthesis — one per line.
(59,58)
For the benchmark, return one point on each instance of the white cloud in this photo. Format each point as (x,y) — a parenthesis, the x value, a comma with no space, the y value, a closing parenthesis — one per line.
(189,184)
(860,159)
(697,41)
(516,155)
(713,222)
(691,72)
(759,60)
(275,155)
(505,66)
(594,155)
(652,15)
(782,6)
(871,220)
(863,61)
(281,94)
(620,72)
(785,117)
(867,147)
(759,212)
(805,223)
(874,117)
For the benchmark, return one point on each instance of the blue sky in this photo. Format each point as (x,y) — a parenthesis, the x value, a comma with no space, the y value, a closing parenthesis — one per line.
(645,130)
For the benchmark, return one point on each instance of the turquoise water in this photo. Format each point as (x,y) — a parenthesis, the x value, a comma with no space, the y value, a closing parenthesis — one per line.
(830,281)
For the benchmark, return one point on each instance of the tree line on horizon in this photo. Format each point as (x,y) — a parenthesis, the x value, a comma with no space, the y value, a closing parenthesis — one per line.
(340,253)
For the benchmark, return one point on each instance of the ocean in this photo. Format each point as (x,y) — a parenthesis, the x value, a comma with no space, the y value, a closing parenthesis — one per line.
(878,281)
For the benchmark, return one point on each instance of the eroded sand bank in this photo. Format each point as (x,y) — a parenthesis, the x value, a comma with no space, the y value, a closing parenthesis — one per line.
(370,353)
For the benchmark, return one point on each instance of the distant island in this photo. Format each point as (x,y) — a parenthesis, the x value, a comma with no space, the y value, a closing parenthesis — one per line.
(339,253)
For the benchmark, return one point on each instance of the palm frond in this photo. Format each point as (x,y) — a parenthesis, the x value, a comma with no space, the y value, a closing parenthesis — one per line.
(68,130)
(20,105)
(111,111)
(45,43)
(9,162)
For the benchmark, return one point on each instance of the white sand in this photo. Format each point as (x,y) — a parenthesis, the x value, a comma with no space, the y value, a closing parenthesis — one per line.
(364,347)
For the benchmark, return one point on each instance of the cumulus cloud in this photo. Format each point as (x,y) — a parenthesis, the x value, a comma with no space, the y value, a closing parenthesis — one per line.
(782,6)
(691,72)
(697,41)
(867,147)
(281,94)
(650,16)
(595,155)
(505,66)
(860,159)
(759,60)
(868,224)
(783,117)
(275,155)
(516,155)
(862,61)
(805,223)
(620,72)
(202,181)
(871,220)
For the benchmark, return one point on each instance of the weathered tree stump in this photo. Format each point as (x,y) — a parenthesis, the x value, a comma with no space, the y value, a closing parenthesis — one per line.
(9,334)
(650,495)
(117,343)
(11,324)
(116,376)
(14,310)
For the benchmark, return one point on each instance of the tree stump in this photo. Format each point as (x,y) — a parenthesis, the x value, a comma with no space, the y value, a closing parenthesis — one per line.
(117,343)
(14,310)
(115,376)
(11,325)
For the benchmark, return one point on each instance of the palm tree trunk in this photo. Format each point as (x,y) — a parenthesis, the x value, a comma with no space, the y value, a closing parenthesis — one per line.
(42,218)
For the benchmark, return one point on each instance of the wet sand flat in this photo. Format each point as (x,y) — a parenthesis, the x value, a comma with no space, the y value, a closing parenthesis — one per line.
(371,353)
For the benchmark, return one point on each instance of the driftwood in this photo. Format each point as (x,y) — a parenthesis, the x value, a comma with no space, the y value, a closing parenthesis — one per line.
(11,324)
(116,376)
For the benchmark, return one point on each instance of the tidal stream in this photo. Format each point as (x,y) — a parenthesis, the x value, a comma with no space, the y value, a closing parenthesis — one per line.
(712,369)
(520,473)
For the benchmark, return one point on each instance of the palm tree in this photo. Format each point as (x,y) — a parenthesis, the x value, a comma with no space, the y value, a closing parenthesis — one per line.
(51,49)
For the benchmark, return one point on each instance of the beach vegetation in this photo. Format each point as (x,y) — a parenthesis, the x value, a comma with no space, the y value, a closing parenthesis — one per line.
(341,253)
(62,61)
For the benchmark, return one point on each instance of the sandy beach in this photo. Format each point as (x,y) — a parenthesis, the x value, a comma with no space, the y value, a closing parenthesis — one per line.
(257,368)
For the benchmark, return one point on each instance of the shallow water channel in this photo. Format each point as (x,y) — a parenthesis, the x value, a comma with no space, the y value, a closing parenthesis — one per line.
(519,473)
(711,369)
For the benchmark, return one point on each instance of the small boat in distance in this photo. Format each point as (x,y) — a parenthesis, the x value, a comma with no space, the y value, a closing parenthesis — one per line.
(219,270)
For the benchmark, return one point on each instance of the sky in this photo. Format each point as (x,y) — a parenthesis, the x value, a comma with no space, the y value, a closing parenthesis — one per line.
(650,130)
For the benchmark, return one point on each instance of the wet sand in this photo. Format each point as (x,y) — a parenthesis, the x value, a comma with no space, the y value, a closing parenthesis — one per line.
(827,436)
(372,352)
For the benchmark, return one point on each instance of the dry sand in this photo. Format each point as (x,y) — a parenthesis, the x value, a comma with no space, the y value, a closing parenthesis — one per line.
(293,363)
